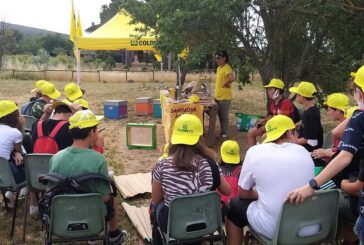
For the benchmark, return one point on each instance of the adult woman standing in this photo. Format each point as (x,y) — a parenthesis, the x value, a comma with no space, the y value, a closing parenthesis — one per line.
(185,171)
(223,94)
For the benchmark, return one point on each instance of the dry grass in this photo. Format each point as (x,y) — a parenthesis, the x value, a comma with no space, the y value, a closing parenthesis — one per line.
(250,100)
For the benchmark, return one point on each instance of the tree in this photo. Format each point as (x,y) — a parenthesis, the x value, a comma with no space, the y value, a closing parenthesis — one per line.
(9,40)
(106,13)
(293,40)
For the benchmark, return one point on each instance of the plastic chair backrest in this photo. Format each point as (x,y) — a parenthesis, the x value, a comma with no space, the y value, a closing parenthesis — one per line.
(36,165)
(327,141)
(6,176)
(77,215)
(312,221)
(194,216)
(29,120)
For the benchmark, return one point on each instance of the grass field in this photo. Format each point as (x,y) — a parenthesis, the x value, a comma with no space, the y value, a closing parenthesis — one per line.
(250,100)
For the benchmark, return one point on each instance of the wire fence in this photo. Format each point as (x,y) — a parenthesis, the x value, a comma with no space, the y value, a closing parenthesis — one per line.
(122,76)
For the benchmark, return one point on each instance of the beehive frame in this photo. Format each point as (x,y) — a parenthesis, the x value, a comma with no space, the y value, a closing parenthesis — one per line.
(147,136)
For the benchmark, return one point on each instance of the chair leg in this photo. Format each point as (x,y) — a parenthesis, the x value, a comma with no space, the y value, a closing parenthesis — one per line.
(14,214)
(25,216)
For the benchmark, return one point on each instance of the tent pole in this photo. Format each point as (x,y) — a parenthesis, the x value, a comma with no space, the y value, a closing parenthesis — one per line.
(78,55)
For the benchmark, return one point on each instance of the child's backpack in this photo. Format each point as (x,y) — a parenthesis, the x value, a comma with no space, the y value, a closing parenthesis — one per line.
(26,108)
(66,185)
(47,143)
(233,182)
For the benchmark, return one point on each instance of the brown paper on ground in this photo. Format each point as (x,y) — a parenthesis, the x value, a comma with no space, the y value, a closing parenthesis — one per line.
(139,216)
(133,184)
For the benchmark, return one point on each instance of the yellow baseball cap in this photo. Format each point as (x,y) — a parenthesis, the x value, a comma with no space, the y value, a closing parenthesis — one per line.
(82,102)
(186,130)
(230,152)
(277,126)
(305,89)
(275,83)
(349,111)
(7,107)
(194,98)
(359,77)
(50,90)
(72,91)
(84,119)
(338,101)
(38,85)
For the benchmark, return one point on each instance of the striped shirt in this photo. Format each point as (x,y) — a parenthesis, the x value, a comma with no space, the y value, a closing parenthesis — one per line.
(179,183)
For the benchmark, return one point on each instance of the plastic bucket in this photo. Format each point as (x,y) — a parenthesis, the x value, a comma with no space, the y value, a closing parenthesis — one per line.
(244,122)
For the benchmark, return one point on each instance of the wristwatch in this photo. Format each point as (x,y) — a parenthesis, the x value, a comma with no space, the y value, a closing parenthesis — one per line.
(313,184)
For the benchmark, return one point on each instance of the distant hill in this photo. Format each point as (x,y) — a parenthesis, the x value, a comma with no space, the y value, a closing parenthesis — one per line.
(31,31)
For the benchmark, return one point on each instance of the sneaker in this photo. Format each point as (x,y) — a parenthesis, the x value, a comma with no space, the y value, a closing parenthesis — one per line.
(92,242)
(33,210)
(10,199)
(119,239)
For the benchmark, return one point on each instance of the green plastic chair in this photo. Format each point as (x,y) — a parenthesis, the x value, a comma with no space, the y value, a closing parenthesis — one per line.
(35,165)
(195,217)
(29,121)
(7,183)
(77,217)
(319,212)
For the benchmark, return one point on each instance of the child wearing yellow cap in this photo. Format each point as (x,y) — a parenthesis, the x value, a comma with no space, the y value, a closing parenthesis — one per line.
(11,142)
(278,105)
(310,132)
(336,105)
(184,171)
(230,165)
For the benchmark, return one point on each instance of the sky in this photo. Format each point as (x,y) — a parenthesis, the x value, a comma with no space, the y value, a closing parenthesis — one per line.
(51,15)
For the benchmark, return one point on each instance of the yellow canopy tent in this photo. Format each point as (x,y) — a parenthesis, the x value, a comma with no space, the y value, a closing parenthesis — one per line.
(117,34)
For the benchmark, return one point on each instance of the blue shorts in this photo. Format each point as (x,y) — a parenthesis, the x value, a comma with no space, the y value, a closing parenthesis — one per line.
(18,172)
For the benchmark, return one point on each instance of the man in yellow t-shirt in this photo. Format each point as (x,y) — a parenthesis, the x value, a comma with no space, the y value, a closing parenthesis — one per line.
(223,94)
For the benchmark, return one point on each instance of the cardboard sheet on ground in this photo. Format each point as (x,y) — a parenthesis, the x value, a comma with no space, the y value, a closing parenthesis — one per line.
(139,216)
(133,184)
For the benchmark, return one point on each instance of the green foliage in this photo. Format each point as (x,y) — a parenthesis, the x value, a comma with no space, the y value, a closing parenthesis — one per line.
(314,40)
(41,59)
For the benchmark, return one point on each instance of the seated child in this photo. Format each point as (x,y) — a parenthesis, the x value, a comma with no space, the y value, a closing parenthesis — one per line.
(11,142)
(230,168)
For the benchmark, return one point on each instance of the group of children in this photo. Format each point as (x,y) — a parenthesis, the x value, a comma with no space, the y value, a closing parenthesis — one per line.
(49,111)
(310,132)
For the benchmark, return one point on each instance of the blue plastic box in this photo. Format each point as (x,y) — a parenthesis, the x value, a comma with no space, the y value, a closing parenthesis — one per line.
(157,109)
(115,109)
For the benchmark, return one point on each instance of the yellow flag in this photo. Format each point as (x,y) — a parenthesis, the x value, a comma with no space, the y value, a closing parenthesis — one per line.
(73,24)
(79,32)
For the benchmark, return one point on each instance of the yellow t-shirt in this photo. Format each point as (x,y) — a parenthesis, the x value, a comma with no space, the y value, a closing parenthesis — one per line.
(222,93)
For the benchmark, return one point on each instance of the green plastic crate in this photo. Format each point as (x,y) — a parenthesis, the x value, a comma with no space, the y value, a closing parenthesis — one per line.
(244,122)
(141,136)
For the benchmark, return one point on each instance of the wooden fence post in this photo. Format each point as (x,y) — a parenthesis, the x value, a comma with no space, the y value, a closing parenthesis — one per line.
(98,72)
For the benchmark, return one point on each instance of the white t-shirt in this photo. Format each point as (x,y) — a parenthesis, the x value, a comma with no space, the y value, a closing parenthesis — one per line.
(274,170)
(8,138)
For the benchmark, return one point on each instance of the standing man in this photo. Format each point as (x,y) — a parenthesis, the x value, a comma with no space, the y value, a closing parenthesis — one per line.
(264,182)
(223,94)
